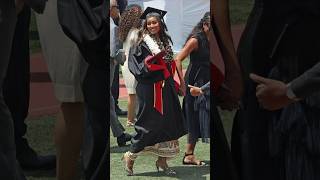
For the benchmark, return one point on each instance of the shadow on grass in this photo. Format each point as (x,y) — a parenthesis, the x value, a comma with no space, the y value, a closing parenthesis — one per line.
(117,149)
(51,174)
(183,172)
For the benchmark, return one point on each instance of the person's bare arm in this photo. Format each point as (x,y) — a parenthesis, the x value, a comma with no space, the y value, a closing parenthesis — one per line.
(222,31)
(192,44)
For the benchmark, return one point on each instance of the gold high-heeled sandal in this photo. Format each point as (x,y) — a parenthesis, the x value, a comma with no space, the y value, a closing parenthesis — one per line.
(125,159)
(165,168)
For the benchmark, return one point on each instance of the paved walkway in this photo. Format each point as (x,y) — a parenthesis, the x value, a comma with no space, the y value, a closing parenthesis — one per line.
(42,99)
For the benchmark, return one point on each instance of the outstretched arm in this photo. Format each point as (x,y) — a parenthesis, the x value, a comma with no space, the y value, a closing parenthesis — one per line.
(191,45)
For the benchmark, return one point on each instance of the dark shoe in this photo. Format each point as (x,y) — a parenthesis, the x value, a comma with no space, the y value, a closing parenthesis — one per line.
(120,112)
(30,160)
(39,163)
(121,140)
(165,168)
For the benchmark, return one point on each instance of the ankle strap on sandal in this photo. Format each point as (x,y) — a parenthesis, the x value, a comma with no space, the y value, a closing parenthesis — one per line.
(189,154)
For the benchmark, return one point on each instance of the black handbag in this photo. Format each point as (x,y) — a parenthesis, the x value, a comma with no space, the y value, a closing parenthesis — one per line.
(85,22)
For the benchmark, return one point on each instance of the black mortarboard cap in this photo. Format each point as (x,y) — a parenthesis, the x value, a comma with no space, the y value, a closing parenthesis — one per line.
(152,10)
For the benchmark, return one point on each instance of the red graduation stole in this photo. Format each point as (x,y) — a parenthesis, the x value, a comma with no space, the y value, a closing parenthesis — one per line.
(157,63)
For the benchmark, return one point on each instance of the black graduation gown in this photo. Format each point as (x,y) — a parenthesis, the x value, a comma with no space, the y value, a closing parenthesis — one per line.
(151,126)
(281,41)
(223,168)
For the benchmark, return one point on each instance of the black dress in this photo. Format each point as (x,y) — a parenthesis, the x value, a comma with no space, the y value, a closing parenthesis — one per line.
(281,41)
(152,127)
(198,74)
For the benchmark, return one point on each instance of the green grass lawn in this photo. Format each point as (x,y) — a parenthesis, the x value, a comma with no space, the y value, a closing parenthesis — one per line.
(144,167)
(34,42)
(40,136)
(227,121)
(240,10)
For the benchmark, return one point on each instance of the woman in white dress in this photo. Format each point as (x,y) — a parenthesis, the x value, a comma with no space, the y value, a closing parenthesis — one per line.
(129,25)
(66,68)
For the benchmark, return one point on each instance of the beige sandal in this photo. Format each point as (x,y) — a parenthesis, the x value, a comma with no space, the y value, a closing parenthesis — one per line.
(128,162)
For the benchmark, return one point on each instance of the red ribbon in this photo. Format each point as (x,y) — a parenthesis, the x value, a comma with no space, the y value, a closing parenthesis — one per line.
(156,63)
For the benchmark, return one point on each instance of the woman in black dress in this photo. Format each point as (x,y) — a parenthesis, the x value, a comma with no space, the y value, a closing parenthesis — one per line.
(160,119)
(196,109)
(281,42)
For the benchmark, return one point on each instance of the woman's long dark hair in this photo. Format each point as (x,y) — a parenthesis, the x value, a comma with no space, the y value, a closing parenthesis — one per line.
(198,29)
(164,37)
(129,19)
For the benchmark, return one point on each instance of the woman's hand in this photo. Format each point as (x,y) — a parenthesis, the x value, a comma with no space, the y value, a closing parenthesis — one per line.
(271,94)
(195,91)
(182,88)
(230,93)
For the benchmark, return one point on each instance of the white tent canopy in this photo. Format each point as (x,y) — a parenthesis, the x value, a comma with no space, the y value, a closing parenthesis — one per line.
(181,17)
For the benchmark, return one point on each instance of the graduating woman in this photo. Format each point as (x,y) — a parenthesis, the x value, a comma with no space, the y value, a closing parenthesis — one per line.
(196,109)
(159,119)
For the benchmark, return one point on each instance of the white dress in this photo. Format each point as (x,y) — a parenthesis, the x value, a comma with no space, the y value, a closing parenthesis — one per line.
(129,79)
(65,63)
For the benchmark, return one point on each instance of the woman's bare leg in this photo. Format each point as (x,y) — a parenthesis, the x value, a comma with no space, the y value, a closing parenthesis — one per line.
(131,108)
(68,139)
(189,156)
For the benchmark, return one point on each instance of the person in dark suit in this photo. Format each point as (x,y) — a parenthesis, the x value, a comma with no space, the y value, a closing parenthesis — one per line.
(16,89)
(281,41)
(122,4)
(116,127)
(273,94)
(9,168)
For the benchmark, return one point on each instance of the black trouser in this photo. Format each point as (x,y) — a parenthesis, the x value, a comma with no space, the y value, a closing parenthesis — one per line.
(16,87)
(115,85)
(95,145)
(8,165)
